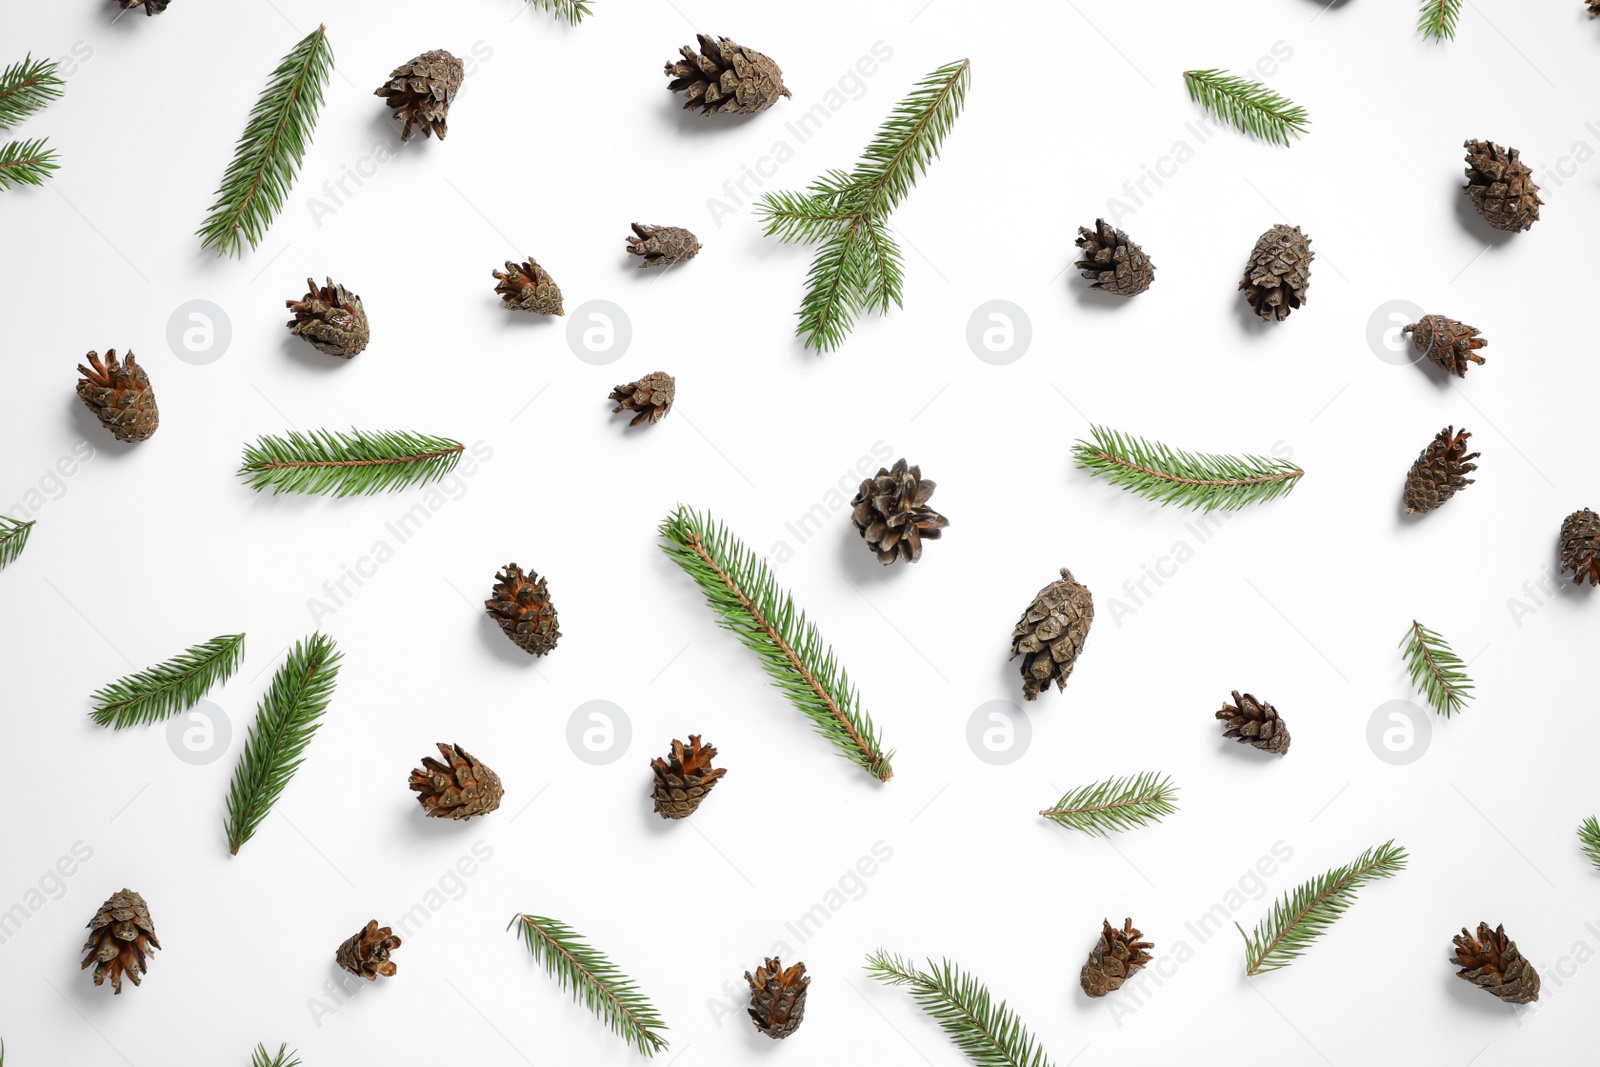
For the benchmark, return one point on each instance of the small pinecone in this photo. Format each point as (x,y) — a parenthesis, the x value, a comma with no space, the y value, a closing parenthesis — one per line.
(1594,7)
(151,7)
(120,395)
(331,319)
(1580,543)
(726,78)
(891,512)
(777,998)
(521,605)
(662,246)
(684,778)
(366,952)
(1114,959)
(1501,186)
(420,91)
(1050,635)
(1492,963)
(121,938)
(1452,345)
(650,396)
(1279,272)
(1439,472)
(1112,262)
(1254,722)
(528,287)
(458,788)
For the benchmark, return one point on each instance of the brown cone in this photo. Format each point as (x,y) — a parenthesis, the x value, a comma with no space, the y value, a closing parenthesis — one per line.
(1440,471)
(1113,262)
(1501,186)
(331,319)
(684,778)
(662,246)
(458,788)
(528,287)
(1254,722)
(521,605)
(366,952)
(1279,272)
(121,938)
(420,92)
(120,396)
(1580,544)
(1114,959)
(777,998)
(151,7)
(1051,633)
(1450,344)
(1491,962)
(726,78)
(891,513)
(650,396)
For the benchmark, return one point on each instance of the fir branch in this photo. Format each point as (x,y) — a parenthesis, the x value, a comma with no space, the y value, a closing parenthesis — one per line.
(595,981)
(1305,913)
(13,539)
(268,154)
(1589,840)
(568,11)
(286,719)
(1436,671)
(1115,804)
(28,87)
(261,1058)
(749,602)
(990,1034)
(168,688)
(1249,106)
(347,464)
(27,163)
(1437,19)
(1190,479)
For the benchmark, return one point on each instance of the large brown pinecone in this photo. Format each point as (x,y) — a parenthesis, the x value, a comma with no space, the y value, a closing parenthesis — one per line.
(1051,633)
(1254,722)
(331,319)
(726,78)
(528,287)
(420,92)
(684,778)
(777,998)
(1580,544)
(120,396)
(1113,262)
(1440,471)
(662,246)
(1491,962)
(1279,272)
(365,953)
(1501,186)
(458,788)
(650,396)
(891,513)
(151,7)
(1114,959)
(521,605)
(1452,345)
(121,938)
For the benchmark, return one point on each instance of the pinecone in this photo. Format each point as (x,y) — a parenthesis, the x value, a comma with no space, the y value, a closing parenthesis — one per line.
(120,395)
(777,998)
(366,953)
(1254,722)
(151,7)
(1114,959)
(521,605)
(726,78)
(458,788)
(1501,186)
(1113,262)
(684,778)
(662,246)
(1279,272)
(121,938)
(1594,7)
(330,319)
(1452,345)
(1051,633)
(421,91)
(890,511)
(1437,475)
(1492,963)
(650,396)
(1580,543)
(528,287)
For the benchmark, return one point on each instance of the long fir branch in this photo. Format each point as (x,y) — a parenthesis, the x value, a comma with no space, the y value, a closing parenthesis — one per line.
(286,720)
(1589,840)
(1437,19)
(990,1034)
(27,163)
(1305,913)
(28,87)
(268,154)
(347,464)
(1190,479)
(595,981)
(13,539)
(569,11)
(748,601)
(1115,804)
(284,1058)
(176,685)
(1436,671)
(1247,105)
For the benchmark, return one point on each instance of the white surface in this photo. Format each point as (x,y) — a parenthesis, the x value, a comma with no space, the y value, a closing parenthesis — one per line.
(559,139)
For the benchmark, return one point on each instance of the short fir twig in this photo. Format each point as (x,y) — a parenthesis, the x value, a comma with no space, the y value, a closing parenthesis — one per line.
(1248,106)
(27,87)
(1589,840)
(595,981)
(568,11)
(1437,19)
(1115,804)
(356,463)
(991,1034)
(1436,671)
(283,1058)
(175,685)
(1189,479)
(1305,913)
(13,539)
(27,163)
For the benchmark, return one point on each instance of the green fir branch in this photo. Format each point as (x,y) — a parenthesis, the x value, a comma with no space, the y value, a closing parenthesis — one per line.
(164,690)
(748,601)
(1189,479)
(1589,840)
(1247,105)
(1115,804)
(1436,671)
(286,720)
(990,1034)
(13,539)
(268,154)
(595,981)
(28,87)
(357,463)
(568,11)
(1438,18)
(1305,913)
(261,1058)
(27,163)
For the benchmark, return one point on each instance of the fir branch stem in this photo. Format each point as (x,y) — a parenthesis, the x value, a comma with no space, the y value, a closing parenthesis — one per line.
(170,687)
(1305,913)
(1437,19)
(594,980)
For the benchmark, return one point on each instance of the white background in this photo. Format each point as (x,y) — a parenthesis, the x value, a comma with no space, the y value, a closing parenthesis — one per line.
(559,139)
